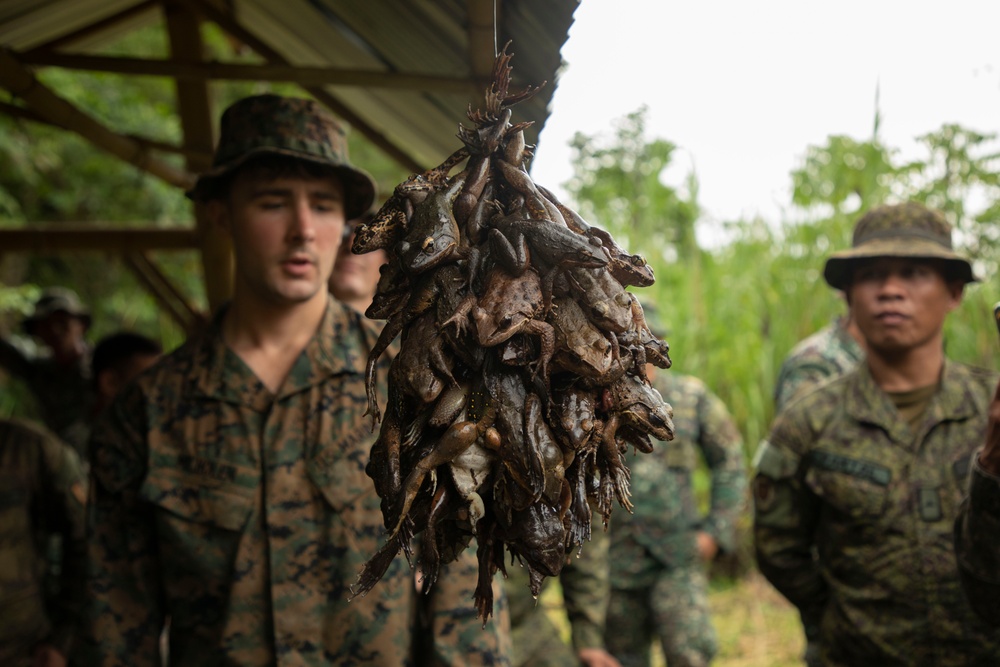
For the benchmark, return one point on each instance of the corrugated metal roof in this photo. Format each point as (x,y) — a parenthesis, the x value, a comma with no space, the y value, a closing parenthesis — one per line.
(426,37)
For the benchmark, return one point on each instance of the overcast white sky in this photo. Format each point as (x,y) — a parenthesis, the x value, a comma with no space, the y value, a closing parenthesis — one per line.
(744,87)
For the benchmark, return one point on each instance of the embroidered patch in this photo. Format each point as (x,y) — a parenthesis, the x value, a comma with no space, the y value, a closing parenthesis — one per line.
(872,472)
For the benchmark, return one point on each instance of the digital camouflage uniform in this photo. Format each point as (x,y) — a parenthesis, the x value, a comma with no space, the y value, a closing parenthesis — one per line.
(65,394)
(658,583)
(585,592)
(842,473)
(42,492)
(977,546)
(829,352)
(243,516)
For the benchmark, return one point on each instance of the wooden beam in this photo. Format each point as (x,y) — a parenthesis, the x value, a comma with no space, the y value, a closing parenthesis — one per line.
(220,71)
(231,26)
(25,113)
(95,28)
(195,109)
(23,84)
(62,237)
(165,292)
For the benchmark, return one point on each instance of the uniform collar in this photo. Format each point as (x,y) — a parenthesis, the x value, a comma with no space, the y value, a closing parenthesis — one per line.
(866,402)
(340,345)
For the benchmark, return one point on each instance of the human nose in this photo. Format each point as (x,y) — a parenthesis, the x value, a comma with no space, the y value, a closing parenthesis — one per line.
(891,286)
(303,223)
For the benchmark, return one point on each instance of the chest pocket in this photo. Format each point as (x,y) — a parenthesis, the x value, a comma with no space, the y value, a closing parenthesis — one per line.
(855,487)
(199,519)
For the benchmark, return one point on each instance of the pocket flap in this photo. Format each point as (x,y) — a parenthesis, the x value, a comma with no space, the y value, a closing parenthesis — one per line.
(196,499)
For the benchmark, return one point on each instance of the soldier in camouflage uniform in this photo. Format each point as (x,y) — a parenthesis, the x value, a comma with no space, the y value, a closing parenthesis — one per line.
(585,593)
(59,380)
(42,492)
(977,531)
(869,469)
(230,488)
(658,553)
(831,351)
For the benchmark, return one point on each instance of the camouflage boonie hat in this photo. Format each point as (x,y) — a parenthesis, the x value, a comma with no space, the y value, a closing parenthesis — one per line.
(291,126)
(898,230)
(55,300)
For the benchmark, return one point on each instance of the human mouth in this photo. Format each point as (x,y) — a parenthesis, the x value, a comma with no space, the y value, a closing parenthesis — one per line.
(891,318)
(297,265)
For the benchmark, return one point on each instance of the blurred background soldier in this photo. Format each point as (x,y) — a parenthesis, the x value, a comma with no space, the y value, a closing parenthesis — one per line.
(118,359)
(659,553)
(868,470)
(355,277)
(42,493)
(585,594)
(831,351)
(977,531)
(59,379)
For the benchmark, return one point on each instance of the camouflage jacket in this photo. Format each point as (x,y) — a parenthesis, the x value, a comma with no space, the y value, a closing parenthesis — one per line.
(241,515)
(65,394)
(842,473)
(42,492)
(586,590)
(660,532)
(977,547)
(829,352)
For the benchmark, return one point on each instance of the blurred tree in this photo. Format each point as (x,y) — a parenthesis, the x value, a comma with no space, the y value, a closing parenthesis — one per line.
(618,184)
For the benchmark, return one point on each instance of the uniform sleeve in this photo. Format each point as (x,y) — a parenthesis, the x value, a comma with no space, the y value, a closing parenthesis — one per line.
(976,545)
(722,447)
(124,617)
(586,588)
(456,631)
(785,517)
(797,376)
(64,498)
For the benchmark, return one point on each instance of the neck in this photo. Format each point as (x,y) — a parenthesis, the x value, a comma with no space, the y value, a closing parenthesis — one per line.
(907,370)
(255,324)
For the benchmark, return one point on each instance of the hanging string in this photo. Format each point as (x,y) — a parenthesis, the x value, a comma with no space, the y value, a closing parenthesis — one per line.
(496,49)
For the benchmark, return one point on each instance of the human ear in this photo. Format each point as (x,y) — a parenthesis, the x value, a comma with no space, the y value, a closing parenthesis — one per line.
(217,212)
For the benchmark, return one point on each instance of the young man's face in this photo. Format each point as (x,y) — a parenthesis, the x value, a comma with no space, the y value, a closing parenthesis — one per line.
(900,303)
(286,232)
(355,277)
(61,331)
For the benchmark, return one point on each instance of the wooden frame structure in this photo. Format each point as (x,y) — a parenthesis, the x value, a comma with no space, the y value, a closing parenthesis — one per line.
(399,73)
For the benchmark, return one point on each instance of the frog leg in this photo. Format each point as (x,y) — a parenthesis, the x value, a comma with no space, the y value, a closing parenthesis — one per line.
(512,255)
(430,558)
(453,442)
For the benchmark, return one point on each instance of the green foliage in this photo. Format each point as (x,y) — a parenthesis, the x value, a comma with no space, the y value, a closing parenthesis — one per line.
(617,182)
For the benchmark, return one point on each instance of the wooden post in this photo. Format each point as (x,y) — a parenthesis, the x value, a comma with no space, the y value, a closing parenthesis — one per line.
(183,27)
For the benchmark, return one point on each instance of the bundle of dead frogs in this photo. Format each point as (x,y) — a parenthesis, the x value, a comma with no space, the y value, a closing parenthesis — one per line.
(520,380)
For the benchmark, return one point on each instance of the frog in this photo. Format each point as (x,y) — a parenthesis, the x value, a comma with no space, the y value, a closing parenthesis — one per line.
(634,402)
(522,478)
(629,269)
(422,360)
(392,291)
(456,439)
(537,536)
(552,244)
(581,347)
(539,437)
(508,306)
(389,223)
(433,235)
(603,299)
(574,418)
